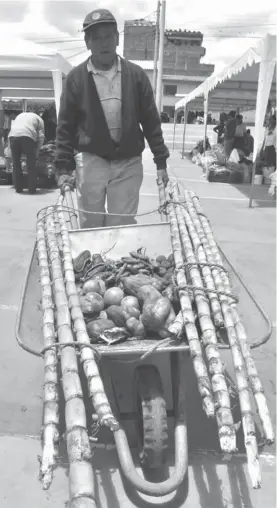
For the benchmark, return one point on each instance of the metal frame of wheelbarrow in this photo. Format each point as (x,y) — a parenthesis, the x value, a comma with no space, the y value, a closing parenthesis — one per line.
(179,354)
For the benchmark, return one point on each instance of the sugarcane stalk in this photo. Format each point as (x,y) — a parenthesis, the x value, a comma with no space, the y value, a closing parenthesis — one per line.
(255,382)
(224,418)
(81,482)
(95,385)
(204,270)
(50,430)
(177,328)
(248,424)
(203,381)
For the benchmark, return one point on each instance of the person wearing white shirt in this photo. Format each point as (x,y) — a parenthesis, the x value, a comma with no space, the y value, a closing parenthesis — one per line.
(26,137)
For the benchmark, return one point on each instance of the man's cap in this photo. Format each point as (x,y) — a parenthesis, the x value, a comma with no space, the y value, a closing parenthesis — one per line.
(98,16)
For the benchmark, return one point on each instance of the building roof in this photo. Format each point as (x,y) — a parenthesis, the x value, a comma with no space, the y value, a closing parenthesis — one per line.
(146,65)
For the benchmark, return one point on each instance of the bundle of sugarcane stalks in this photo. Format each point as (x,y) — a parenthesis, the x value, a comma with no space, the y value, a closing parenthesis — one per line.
(199,267)
(65,337)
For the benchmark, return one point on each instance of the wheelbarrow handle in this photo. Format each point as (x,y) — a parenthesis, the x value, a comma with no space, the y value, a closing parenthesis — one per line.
(162,199)
(68,197)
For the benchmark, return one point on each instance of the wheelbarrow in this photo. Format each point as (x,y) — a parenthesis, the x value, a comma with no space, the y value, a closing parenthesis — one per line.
(150,413)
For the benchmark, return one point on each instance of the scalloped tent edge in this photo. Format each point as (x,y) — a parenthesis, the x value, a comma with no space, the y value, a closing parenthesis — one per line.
(263,54)
(22,55)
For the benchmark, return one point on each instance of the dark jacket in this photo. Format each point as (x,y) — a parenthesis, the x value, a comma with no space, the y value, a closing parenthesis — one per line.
(82,125)
(230,129)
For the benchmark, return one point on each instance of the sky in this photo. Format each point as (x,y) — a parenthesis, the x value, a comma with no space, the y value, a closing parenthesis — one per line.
(229,28)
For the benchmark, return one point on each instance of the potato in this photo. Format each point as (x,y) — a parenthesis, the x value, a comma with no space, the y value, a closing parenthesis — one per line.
(148,292)
(162,271)
(160,259)
(130,301)
(165,264)
(116,314)
(130,312)
(135,327)
(113,296)
(91,286)
(91,303)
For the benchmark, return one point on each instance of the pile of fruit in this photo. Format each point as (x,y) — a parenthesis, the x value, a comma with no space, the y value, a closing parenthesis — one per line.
(134,297)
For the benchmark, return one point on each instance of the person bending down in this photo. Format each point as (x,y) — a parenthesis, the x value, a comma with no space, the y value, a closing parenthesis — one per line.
(26,138)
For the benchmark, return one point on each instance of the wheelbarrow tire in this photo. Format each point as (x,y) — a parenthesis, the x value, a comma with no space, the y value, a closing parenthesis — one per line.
(152,428)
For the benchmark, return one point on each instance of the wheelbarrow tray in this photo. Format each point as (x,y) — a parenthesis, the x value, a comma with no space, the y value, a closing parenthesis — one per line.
(120,240)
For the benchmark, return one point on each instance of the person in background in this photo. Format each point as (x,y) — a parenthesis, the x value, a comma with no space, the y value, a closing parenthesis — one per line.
(26,137)
(229,133)
(270,143)
(219,129)
(240,133)
(50,123)
(107,109)
(2,125)
(248,143)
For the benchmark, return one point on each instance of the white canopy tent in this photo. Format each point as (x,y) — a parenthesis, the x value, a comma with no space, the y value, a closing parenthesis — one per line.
(247,84)
(23,57)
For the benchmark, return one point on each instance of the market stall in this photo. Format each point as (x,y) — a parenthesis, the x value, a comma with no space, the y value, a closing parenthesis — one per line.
(247,84)
(29,71)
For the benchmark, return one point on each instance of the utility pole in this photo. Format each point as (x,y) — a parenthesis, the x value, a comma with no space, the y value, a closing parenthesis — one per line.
(159,93)
(156,50)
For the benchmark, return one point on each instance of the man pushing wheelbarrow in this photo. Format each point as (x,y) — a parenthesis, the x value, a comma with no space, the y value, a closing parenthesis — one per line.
(107,110)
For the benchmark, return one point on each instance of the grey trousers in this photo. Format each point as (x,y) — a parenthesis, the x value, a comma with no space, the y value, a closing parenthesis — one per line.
(113,183)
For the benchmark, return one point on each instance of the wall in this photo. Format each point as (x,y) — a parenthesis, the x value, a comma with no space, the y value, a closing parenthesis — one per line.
(180,57)
(183,87)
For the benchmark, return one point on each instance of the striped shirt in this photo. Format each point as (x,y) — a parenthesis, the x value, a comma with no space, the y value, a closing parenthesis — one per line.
(108,85)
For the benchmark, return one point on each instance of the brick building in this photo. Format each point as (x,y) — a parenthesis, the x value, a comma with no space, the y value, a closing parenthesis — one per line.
(183,50)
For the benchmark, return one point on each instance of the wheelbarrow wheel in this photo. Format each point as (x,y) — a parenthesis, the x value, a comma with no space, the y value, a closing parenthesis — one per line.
(151,421)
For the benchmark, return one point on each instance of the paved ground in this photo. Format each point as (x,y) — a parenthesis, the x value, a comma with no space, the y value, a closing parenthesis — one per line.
(247,236)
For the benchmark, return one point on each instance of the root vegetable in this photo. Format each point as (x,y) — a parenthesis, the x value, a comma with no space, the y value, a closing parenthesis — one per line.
(148,292)
(135,327)
(157,315)
(91,303)
(113,296)
(165,264)
(160,259)
(130,301)
(134,282)
(130,312)
(116,314)
(162,271)
(91,286)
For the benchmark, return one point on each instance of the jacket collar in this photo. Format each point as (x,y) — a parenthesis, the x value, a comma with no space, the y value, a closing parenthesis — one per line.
(91,68)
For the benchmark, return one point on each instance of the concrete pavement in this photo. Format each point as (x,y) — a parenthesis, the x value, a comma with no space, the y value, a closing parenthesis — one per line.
(248,238)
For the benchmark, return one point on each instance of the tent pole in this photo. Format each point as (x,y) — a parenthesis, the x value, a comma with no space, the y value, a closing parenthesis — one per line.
(58,85)
(174,129)
(252,184)
(206,105)
(184,131)
(266,72)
